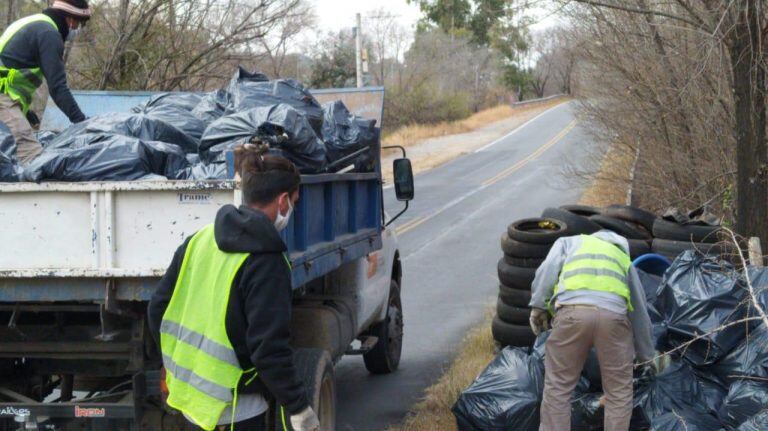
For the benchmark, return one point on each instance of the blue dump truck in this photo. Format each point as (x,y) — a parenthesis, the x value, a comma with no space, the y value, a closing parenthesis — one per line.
(81,260)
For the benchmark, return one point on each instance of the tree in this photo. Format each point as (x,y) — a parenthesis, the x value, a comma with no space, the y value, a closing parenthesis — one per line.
(736,30)
(176,44)
(334,61)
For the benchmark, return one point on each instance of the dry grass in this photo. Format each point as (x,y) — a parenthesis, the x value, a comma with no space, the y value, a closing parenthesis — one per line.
(412,135)
(612,182)
(478,348)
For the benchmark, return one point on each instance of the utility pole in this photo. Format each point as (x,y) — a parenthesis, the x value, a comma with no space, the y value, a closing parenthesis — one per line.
(359,51)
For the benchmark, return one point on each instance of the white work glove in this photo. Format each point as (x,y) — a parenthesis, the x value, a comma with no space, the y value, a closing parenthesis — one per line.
(539,320)
(305,420)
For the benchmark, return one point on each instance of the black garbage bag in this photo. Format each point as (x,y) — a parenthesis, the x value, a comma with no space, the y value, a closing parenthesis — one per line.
(685,420)
(10,169)
(758,422)
(116,158)
(745,399)
(699,295)
(345,133)
(212,106)
(141,126)
(586,412)
(176,110)
(202,171)
(506,395)
(651,285)
(44,137)
(749,358)
(253,90)
(280,126)
(7,141)
(677,388)
(183,101)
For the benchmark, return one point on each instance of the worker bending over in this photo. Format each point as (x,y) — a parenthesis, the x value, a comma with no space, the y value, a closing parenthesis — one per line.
(591,287)
(31,49)
(222,311)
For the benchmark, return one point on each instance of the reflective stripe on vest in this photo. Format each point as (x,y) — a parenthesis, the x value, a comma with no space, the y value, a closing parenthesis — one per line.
(599,266)
(20,84)
(202,368)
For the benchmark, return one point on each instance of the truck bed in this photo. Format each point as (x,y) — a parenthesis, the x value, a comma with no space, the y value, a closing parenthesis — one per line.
(69,238)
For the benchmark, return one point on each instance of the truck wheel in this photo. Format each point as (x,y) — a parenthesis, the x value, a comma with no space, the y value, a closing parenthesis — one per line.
(315,369)
(384,357)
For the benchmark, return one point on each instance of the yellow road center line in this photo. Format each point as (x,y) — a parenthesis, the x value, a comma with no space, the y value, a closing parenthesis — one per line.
(410,225)
(402,229)
(533,156)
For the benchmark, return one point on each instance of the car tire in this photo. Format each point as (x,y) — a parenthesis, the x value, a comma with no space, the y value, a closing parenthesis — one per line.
(577,224)
(508,334)
(671,249)
(515,276)
(582,210)
(516,248)
(524,262)
(668,230)
(315,369)
(638,247)
(384,357)
(620,227)
(631,214)
(537,230)
(514,297)
(512,314)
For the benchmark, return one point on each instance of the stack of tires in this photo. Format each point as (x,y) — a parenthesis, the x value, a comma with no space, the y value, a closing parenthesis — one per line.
(525,245)
(527,242)
(670,239)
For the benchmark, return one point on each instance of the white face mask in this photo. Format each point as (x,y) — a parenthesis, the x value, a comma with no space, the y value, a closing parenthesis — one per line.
(73,32)
(281,221)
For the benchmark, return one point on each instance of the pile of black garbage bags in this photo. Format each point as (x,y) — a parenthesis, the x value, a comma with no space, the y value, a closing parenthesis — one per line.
(186,135)
(719,382)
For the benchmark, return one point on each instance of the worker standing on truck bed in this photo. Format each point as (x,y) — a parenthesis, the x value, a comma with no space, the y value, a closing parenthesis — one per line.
(31,49)
(589,284)
(222,311)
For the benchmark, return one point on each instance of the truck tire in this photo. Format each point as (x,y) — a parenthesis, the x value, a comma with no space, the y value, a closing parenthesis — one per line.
(315,369)
(515,276)
(638,247)
(671,249)
(525,262)
(582,210)
(384,357)
(512,314)
(514,297)
(577,224)
(537,230)
(668,230)
(515,248)
(632,214)
(620,227)
(507,334)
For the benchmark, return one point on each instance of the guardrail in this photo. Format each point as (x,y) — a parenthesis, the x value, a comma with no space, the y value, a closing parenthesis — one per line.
(535,101)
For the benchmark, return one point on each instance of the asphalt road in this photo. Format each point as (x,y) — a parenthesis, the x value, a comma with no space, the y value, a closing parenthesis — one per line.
(449,243)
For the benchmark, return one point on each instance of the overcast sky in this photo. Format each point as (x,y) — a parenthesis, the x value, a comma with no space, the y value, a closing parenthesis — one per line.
(337,14)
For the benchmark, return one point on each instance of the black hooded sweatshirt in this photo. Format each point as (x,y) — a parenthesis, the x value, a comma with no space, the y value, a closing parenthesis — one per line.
(40,45)
(259,310)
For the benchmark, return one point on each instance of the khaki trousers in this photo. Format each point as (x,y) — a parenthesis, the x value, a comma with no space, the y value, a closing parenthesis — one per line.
(27,147)
(576,329)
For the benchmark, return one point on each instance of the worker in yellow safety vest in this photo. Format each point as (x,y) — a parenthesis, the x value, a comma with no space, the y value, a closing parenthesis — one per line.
(590,286)
(221,313)
(31,50)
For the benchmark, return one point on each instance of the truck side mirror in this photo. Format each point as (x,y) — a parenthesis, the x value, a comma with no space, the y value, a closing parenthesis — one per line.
(403,176)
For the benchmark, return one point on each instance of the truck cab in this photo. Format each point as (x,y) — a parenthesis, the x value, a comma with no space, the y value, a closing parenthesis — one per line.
(83,259)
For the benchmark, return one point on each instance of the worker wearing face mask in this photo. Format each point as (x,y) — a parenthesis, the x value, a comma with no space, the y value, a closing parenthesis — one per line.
(222,312)
(32,49)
